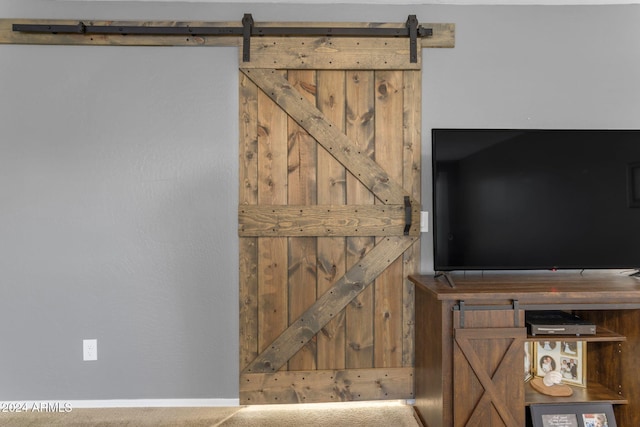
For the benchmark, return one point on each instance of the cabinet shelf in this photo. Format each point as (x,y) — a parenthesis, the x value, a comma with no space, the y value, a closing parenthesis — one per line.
(594,392)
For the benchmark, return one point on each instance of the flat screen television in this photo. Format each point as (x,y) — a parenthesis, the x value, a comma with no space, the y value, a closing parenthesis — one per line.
(514,199)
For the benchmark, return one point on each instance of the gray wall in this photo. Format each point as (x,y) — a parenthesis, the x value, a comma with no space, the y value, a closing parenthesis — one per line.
(118,181)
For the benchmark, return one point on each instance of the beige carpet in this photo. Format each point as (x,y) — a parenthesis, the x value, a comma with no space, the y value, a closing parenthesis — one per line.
(361,414)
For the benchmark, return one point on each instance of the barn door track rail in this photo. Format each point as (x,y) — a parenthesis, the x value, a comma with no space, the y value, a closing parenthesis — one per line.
(413,30)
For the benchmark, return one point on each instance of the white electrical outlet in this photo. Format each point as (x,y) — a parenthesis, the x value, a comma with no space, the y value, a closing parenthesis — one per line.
(424,221)
(89,350)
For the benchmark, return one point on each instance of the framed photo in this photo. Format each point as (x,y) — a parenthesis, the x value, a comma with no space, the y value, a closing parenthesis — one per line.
(528,357)
(567,357)
(573,415)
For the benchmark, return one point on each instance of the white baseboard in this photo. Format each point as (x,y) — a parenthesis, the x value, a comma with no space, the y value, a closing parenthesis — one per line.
(121,403)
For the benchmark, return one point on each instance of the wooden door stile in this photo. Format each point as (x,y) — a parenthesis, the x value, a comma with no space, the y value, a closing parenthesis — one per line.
(360,127)
(272,251)
(301,185)
(331,191)
(389,155)
(248,246)
(411,181)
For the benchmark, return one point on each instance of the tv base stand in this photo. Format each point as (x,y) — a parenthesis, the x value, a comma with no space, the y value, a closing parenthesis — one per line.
(448,278)
(471,367)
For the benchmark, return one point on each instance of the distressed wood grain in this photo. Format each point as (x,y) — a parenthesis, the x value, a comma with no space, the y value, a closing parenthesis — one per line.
(248,195)
(331,53)
(272,251)
(389,155)
(302,169)
(411,181)
(325,220)
(329,304)
(332,191)
(328,135)
(330,385)
(360,129)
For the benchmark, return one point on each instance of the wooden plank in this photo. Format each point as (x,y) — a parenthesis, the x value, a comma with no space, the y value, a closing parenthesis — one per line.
(272,289)
(575,289)
(272,252)
(444,36)
(389,155)
(329,304)
(329,136)
(411,181)
(331,385)
(302,170)
(331,53)
(325,220)
(360,130)
(331,191)
(248,194)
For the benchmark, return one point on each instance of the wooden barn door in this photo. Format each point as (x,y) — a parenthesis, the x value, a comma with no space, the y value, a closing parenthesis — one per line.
(328,219)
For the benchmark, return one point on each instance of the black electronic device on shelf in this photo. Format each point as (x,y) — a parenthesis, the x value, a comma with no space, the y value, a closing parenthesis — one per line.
(556,322)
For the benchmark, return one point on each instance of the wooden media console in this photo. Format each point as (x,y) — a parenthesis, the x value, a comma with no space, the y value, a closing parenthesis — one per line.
(470,335)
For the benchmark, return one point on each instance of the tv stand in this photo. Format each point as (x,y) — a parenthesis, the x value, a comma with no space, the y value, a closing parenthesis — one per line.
(469,362)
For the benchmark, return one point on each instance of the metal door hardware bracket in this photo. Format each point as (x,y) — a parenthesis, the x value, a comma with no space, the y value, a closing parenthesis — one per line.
(248,29)
(412,25)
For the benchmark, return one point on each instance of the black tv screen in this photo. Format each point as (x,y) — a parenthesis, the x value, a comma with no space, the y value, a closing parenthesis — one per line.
(536,199)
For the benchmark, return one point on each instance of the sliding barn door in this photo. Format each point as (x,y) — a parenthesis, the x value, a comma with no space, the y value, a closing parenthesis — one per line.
(328,219)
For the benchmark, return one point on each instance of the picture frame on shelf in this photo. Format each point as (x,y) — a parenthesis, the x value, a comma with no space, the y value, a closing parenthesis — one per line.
(528,358)
(573,415)
(565,356)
